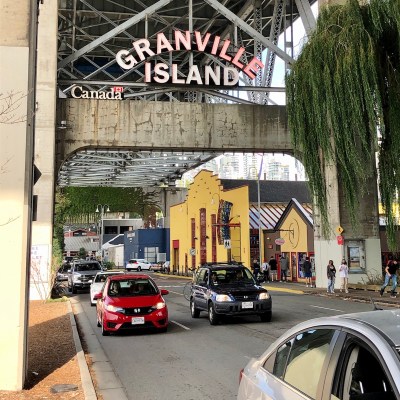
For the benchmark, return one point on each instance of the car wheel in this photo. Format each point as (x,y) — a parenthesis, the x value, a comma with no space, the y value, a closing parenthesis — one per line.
(74,290)
(163,330)
(92,304)
(195,312)
(103,331)
(139,269)
(266,317)
(212,316)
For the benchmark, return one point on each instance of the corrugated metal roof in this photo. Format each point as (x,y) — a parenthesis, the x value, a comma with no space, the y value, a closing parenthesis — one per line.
(272,191)
(270,214)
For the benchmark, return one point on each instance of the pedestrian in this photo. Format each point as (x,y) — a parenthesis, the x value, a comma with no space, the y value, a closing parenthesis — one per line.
(307,267)
(273,269)
(256,268)
(265,270)
(331,274)
(391,273)
(284,268)
(344,276)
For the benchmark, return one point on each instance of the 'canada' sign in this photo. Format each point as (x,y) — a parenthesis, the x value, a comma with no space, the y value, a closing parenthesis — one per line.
(186,41)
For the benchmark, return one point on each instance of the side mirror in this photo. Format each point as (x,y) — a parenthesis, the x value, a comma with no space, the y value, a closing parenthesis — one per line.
(98,296)
(164,292)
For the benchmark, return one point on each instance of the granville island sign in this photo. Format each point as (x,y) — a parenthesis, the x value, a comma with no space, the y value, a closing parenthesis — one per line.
(160,72)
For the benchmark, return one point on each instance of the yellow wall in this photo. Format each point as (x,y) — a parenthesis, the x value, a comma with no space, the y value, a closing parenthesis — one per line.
(294,231)
(206,192)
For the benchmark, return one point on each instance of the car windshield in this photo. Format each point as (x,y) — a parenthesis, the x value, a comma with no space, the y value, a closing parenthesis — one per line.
(87,267)
(231,276)
(132,287)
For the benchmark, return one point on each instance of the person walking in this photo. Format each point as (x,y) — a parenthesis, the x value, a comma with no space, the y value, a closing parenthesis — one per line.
(284,268)
(273,267)
(344,276)
(256,268)
(265,270)
(307,268)
(331,274)
(391,273)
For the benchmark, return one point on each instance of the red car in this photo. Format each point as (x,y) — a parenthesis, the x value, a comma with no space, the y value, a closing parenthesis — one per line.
(129,302)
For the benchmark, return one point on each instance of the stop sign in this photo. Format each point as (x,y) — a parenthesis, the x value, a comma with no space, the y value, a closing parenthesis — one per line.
(340,240)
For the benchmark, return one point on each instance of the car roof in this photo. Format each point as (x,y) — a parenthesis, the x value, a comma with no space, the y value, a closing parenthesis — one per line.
(110,272)
(86,262)
(216,267)
(383,322)
(119,277)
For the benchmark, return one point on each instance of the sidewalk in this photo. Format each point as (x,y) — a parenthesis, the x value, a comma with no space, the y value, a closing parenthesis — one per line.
(354,294)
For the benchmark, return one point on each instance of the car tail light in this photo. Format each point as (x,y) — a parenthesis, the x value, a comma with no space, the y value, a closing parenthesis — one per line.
(241,375)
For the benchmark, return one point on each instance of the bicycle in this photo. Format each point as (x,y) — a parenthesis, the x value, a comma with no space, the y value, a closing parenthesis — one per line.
(187,289)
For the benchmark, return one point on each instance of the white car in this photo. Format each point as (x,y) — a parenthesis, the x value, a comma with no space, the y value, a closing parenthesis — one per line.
(138,264)
(98,283)
(347,357)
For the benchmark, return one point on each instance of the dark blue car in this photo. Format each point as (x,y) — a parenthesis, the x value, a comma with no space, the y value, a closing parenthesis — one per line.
(231,290)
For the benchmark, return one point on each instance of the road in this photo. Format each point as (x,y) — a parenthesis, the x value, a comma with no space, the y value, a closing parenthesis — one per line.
(197,361)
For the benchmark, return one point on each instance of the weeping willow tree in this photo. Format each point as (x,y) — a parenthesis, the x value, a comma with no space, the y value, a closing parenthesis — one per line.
(343,100)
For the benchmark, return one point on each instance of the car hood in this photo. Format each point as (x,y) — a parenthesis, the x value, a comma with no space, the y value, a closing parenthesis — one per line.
(87,273)
(134,301)
(238,289)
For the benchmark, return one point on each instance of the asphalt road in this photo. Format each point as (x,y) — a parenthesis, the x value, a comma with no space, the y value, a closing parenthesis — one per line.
(197,361)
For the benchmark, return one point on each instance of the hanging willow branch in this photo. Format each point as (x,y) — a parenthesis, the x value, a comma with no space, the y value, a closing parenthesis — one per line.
(343,99)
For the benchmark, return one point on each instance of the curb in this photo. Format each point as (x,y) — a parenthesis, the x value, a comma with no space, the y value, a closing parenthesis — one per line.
(87,383)
(108,384)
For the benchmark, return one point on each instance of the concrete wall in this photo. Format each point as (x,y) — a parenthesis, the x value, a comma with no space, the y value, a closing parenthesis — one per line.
(17,55)
(42,228)
(164,125)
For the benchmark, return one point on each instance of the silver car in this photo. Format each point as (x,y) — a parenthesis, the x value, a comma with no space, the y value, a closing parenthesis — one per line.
(346,357)
(98,283)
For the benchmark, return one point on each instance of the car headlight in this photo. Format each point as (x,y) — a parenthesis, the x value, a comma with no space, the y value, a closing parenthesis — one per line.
(159,305)
(76,277)
(111,308)
(263,296)
(223,297)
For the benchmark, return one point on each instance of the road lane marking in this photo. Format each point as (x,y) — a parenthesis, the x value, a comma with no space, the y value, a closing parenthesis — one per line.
(182,326)
(325,308)
(171,291)
(164,286)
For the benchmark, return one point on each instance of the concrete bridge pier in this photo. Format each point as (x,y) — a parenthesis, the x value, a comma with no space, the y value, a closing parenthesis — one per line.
(362,242)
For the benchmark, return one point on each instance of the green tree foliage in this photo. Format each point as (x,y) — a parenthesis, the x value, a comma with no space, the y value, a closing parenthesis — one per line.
(78,205)
(82,253)
(84,200)
(344,103)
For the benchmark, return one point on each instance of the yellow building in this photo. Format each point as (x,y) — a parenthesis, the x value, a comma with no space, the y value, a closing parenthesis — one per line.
(212,225)
(295,228)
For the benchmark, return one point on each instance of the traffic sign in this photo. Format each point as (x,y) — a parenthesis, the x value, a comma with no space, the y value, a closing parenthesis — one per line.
(339,230)
(227,243)
(192,252)
(279,241)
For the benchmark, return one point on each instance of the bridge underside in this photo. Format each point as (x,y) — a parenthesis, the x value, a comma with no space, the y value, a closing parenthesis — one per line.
(91,34)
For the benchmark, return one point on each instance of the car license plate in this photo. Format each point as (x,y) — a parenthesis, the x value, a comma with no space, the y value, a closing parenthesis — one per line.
(137,320)
(247,304)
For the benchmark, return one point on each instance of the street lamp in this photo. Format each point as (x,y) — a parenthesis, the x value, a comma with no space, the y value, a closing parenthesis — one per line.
(100,208)
(259,212)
